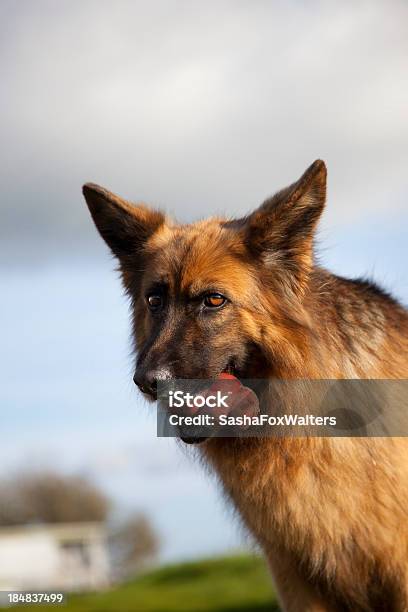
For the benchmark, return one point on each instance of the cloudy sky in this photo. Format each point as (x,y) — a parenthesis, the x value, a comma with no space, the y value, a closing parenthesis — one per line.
(198,108)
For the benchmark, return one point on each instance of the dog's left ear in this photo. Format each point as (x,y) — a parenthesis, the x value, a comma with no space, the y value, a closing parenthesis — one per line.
(281,231)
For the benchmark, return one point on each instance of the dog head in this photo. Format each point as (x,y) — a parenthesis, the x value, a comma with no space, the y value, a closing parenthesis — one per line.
(217,295)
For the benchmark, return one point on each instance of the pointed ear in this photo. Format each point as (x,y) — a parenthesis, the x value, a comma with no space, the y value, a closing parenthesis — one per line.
(281,231)
(123,226)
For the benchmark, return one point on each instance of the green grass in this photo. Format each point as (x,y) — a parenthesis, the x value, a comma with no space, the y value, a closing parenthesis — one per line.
(230,584)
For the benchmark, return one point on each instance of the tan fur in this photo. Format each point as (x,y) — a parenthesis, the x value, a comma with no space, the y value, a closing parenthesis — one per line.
(331,514)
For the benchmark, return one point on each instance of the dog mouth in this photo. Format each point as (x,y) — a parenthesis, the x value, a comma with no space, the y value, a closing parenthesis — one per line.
(245,399)
(229,370)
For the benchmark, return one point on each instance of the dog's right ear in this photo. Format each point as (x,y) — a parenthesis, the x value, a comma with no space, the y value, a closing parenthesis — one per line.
(124,226)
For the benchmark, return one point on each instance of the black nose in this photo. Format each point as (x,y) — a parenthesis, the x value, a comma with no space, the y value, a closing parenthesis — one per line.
(146,381)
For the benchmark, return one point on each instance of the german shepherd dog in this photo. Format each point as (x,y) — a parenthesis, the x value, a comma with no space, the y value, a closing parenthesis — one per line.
(246,296)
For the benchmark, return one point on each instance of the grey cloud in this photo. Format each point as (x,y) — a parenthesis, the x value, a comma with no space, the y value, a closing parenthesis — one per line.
(199,108)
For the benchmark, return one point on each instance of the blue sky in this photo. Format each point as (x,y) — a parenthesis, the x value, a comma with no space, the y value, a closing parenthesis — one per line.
(197,115)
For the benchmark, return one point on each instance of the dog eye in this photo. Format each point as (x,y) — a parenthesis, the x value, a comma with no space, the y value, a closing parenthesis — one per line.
(154,301)
(214,300)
